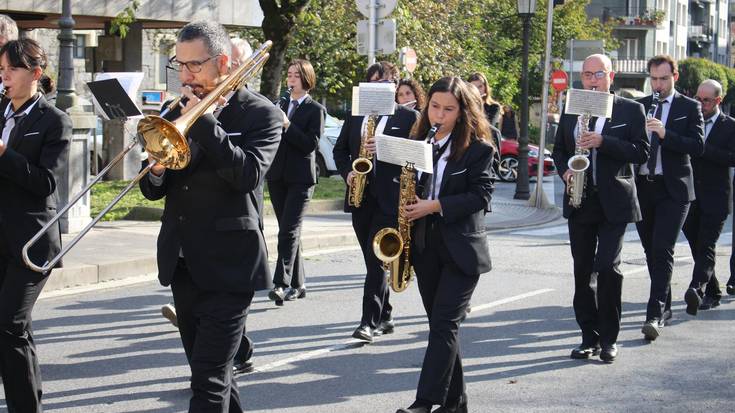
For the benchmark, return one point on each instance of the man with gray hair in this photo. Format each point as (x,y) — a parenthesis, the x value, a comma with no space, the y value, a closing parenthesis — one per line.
(211,248)
(707,213)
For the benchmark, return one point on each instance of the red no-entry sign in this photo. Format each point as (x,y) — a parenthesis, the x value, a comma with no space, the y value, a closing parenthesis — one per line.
(559,80)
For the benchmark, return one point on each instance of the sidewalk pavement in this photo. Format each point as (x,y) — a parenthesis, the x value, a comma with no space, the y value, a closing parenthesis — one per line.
(124,249)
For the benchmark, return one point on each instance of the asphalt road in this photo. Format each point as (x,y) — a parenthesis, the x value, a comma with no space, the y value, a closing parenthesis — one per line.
(109,350)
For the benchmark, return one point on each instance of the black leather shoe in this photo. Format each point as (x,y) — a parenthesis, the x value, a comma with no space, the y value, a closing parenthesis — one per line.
(363,333)
(244,367)
(584,351)
(709,303)
(277,294)
(385,327)
(419,409)
(730,286)
(609,353)
(293,294)
(667,315)
(652,329)
(693,301)
(457,407)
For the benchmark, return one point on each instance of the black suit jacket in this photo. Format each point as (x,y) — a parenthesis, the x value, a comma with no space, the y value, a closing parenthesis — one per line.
(684,138)
(295,161)
(712,169)
(624,143)
(30,170)
(211,212)
(383,182)
(465,195)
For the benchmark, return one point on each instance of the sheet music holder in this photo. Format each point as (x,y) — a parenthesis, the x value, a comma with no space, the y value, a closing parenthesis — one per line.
(589,102)
(112,101)
(374,99)
(399,151)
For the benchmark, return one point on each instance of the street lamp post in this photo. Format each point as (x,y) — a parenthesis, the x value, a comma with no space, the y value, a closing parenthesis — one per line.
(66,96)
(526,9)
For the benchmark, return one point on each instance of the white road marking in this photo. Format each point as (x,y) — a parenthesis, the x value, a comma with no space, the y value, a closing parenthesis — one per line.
(354,342)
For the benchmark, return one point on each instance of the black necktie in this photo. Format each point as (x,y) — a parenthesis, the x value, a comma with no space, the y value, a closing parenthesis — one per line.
(706,125)
(295,105)
(437,152)
(655,142)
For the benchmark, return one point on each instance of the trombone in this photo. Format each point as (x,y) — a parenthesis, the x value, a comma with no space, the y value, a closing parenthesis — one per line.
(165,142)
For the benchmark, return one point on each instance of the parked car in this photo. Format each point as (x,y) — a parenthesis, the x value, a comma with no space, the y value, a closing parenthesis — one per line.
(324,161)
(507,169)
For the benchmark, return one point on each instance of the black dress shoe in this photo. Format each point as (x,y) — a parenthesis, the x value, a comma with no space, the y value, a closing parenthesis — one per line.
(363,333)
(277,294)
(693,301)
(609,353)
(652,329)
(420,409)
(385,327)
(459,406)
(709,303)
(584,351)
(730,286)
(295,293)
(667,315)
(244,367)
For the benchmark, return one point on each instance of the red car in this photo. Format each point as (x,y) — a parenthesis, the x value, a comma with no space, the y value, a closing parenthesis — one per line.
(508,166)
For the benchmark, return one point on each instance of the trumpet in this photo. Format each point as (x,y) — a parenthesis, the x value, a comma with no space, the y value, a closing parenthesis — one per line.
(362,165)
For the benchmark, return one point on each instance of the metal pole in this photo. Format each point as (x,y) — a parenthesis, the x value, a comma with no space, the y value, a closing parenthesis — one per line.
(372,31)
(522,191)
(66,96)
(539,199)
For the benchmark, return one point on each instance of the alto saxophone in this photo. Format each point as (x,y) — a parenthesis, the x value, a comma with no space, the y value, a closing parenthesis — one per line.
(393,246)
(578,164)
(362,165)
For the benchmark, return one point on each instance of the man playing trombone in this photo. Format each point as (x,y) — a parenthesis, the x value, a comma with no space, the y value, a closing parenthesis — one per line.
(211,248)
(609,203)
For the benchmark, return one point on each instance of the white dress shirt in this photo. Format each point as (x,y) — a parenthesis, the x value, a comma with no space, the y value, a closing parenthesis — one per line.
(710,122)
(10,118)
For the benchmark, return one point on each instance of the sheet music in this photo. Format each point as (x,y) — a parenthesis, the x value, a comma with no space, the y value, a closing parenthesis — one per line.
(398,151)
(592,102)
(374,99)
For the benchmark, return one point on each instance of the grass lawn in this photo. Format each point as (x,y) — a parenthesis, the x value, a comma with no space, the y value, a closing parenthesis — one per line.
(104,192)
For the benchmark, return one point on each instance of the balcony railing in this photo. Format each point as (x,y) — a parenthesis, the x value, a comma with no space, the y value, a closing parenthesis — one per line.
(630,66)
(700,32)
(649,18)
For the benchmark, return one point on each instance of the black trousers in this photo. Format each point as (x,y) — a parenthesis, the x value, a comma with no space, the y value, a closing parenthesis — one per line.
(702,231)
(598,283)
(663,218)
(21,375)
(367,221)
(445,293)
(289,203)
(211,324)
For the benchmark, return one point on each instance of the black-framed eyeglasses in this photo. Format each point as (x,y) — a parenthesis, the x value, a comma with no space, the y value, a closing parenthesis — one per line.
(194,66)
(704,100)
(598,75)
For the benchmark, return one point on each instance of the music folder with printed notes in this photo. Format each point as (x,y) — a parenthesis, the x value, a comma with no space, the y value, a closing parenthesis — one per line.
(111,100)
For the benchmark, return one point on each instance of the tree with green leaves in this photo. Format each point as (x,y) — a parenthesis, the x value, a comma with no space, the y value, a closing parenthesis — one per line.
(694,70)
(279,21)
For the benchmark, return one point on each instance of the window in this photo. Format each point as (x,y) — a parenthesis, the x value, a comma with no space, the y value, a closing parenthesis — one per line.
(629,48)
(80,42)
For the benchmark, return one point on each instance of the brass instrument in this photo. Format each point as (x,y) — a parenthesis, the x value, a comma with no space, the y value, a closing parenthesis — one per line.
(362,165)
(166,144)
(393,246)
(578,164)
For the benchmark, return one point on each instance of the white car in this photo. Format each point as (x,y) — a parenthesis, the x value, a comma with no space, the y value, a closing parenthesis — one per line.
(325,165)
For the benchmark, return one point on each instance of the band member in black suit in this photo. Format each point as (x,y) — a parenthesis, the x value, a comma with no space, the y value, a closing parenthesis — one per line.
(707,213)
(292,177)
(33,152)
(379,207)
(211,248)
(665,183)
(609,203)
(449,247)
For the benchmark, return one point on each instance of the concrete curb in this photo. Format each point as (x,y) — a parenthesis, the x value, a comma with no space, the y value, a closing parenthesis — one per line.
(318,206)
